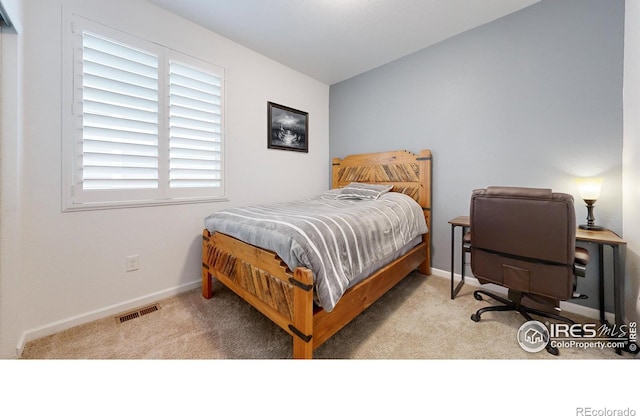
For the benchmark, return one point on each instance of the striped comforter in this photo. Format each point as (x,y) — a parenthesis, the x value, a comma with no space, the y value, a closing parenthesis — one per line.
(337,239)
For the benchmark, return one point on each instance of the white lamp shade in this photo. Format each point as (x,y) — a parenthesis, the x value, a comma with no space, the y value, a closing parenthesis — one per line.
(589,188)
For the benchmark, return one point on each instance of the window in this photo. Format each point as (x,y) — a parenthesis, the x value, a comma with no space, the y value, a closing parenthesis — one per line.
(147,123)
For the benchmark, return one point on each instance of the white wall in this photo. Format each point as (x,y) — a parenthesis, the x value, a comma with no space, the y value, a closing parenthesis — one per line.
(631,158)
(71,268)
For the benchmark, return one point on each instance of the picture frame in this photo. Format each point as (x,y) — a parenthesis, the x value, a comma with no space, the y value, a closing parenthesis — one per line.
(287,128)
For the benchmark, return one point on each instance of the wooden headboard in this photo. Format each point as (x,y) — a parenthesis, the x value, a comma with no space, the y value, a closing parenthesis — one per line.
(407,172)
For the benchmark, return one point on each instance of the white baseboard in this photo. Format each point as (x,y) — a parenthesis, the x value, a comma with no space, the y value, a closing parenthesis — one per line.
(565,306)
(54,327)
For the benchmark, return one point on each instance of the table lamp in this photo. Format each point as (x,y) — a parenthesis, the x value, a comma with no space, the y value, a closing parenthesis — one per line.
(589,189)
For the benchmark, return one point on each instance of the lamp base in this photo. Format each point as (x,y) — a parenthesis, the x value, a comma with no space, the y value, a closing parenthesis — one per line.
(591,227)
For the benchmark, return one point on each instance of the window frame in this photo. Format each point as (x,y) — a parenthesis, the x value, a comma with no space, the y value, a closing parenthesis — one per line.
(74,197)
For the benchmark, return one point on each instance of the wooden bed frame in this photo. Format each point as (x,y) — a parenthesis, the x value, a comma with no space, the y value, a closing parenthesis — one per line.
(261,278)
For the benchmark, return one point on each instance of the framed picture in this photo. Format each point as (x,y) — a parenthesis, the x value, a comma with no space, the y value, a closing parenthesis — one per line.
(288,129)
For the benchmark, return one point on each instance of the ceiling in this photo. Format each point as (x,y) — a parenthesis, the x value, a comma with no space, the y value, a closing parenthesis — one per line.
(333,40)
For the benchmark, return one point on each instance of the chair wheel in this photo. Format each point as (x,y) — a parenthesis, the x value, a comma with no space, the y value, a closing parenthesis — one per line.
(477,296)
(475,317)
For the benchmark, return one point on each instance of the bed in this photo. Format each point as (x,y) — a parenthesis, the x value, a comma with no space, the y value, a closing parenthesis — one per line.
(293,297)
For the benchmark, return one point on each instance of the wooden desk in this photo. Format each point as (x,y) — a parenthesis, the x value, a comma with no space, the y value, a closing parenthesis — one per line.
(601,238)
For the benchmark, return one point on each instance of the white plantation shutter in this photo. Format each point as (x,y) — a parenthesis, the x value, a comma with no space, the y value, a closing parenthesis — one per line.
(147,123)
(120,116)
(195,134)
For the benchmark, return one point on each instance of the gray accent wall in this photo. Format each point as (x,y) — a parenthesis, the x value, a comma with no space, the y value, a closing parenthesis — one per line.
(531,99)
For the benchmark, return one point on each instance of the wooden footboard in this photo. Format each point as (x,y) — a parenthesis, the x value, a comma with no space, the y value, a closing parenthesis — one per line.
(260,278)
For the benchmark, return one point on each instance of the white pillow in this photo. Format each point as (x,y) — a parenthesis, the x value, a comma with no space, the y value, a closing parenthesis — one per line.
(356,190)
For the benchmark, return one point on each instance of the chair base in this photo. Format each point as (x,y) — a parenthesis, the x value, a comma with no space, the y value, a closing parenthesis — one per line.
(511,305)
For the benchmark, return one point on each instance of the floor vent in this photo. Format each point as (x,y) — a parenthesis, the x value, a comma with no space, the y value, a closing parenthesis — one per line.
(136,314)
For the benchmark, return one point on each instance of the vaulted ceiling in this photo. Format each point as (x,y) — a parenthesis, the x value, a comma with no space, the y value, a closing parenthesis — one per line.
(333,40)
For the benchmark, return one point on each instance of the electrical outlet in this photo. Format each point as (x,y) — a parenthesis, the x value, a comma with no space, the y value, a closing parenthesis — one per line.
(132,263)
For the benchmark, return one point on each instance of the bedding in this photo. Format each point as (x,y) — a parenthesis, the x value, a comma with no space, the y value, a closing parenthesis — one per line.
(339,238)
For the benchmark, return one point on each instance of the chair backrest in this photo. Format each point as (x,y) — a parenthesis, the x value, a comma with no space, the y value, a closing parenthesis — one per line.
(524,239)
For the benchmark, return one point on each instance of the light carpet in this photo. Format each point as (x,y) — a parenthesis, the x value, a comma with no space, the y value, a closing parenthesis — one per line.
(415,320)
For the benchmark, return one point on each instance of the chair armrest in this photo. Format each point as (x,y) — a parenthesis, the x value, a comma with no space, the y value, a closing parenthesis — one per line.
(466,242)
(580,262)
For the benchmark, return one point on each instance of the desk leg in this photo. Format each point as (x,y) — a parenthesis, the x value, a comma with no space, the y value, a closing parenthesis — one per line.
(601,283)
(617,286)
(618,283)
(455,289)
(453,251)
(462,258)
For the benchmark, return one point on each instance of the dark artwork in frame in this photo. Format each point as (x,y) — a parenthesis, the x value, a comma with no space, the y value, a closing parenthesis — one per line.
(288,128)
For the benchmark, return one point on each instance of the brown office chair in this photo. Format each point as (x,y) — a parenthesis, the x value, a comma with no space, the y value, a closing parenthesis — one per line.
(524,239)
